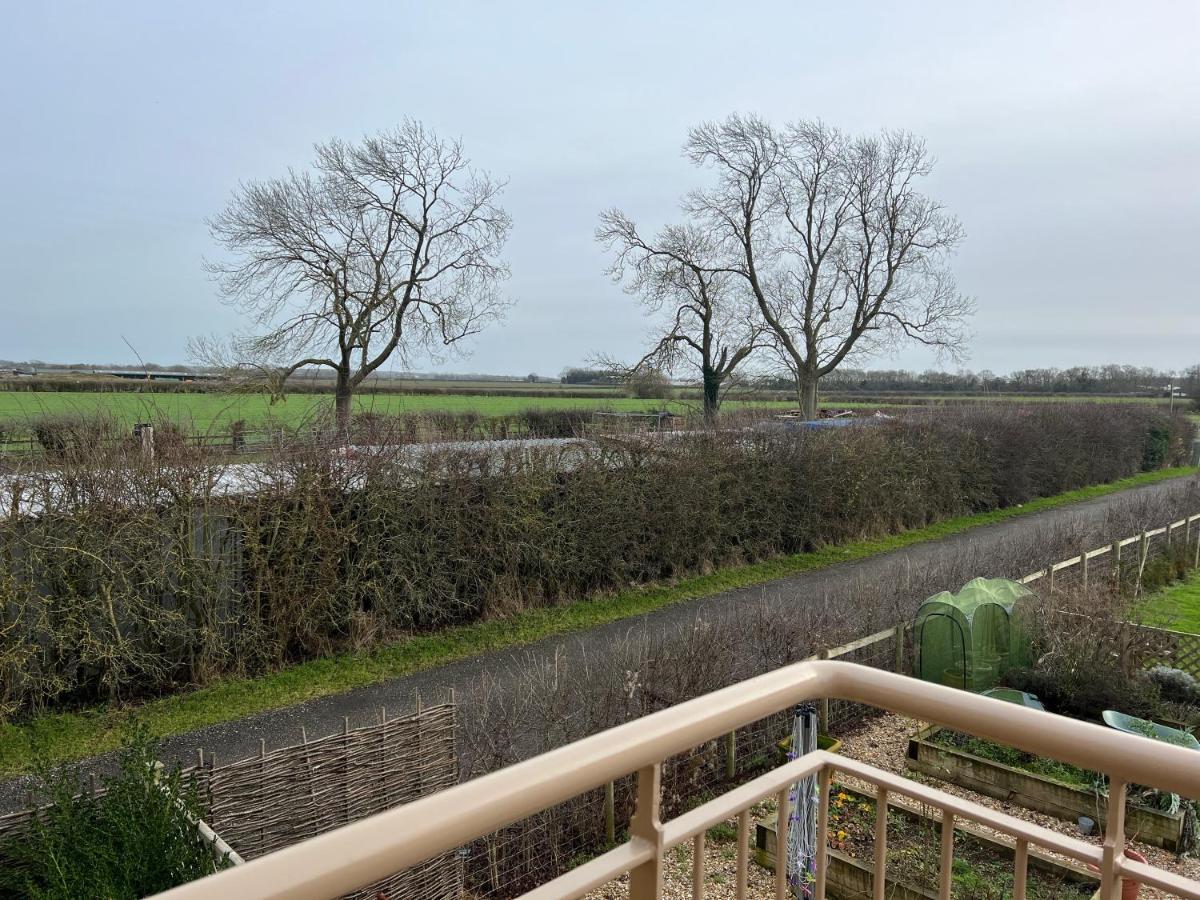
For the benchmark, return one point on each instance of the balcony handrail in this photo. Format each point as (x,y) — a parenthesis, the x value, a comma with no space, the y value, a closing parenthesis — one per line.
(340,861)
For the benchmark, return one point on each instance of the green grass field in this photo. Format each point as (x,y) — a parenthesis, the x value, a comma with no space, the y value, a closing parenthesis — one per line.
(1176,607)
(213,412)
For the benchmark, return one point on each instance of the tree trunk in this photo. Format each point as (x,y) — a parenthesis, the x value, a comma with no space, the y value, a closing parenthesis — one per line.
(712,397)
(806,387)
(343,399)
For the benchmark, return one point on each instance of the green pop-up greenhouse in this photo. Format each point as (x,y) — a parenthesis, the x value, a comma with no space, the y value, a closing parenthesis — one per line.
(967,640)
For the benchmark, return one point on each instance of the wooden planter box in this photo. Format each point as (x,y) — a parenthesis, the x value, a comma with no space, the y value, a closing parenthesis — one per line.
(849,879)
(1036,792)
(845,879)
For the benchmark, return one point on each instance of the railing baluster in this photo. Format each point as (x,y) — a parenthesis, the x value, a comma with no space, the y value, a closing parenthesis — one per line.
(783,817)
(881,795)
(646,881)
(743,854)
(1020,869)
(1114,841)
(946,865)
(821,861)
(698,867)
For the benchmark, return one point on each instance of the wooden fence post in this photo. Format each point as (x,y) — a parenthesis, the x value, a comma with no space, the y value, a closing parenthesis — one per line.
(731,755)
(1143,556)
(1116,560)
(900,649)
(1083,568)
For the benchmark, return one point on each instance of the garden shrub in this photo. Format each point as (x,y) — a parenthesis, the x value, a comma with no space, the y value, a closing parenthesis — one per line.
(61,435)
(1089,658)
(133,838)
(1158,446)
(554,423)
(1175,685)
(648,385)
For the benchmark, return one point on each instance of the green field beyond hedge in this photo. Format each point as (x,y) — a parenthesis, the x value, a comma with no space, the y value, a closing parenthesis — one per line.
(204,412)
(1176,607)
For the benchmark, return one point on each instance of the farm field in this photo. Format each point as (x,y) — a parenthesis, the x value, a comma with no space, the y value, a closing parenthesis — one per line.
(213,412)
(209,412)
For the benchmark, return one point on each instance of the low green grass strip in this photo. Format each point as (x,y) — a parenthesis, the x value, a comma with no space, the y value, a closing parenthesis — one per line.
(1176,607)
(64,737)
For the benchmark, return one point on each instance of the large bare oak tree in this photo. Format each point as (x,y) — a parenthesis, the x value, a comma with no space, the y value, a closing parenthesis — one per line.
(387,247)
(842,252)
(704,316)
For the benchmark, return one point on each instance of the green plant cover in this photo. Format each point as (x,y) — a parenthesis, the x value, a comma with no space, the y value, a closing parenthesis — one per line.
(969,639)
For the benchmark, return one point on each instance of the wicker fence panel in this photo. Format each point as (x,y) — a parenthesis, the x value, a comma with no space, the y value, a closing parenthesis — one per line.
(285,796)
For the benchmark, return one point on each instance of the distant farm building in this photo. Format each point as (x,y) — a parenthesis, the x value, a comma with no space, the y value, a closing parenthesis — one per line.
(165,376)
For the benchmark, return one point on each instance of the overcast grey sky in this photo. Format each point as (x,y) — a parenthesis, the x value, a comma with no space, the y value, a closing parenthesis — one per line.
(1067,135)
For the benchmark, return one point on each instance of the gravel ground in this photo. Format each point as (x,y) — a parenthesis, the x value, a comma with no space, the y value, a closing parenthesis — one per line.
(882,742)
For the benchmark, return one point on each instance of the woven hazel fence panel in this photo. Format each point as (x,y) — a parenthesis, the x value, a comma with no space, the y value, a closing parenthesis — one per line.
(285,796)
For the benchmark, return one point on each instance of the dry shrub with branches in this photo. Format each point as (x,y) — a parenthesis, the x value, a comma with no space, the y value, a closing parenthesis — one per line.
(122,576)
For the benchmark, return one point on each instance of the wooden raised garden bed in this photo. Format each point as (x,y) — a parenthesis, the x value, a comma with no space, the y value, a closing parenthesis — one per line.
(850,878)
(1035,791)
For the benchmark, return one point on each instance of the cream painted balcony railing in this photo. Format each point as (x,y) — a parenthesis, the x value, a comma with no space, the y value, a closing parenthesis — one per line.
(356,855)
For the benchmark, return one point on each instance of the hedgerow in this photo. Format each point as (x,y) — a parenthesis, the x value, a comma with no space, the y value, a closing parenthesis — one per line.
(123,577)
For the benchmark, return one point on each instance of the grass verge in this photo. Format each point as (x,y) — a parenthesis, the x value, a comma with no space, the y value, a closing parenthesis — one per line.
(1176,607)
(68,736)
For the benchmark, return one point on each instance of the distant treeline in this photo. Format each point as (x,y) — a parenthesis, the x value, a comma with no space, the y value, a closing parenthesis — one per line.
(1141,381)
(1108,379)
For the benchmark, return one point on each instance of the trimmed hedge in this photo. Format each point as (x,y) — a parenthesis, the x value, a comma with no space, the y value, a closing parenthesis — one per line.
(138,578)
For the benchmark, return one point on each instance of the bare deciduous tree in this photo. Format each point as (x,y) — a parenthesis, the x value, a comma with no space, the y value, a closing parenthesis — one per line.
(705,316)
(841,251)
(387,247)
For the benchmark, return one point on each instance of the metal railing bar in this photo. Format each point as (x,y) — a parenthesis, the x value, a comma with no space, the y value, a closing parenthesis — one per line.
(1131,758)
(946,860)
(743,854)
(824,781)
(1114,841)
(698,820)
(967,810)
(343,860)
(783,814)
(645,881)
(595,873)
(879,884)
(1020,869)
(1158,878)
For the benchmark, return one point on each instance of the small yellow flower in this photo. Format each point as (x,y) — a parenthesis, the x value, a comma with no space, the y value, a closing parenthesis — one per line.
(841,835)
